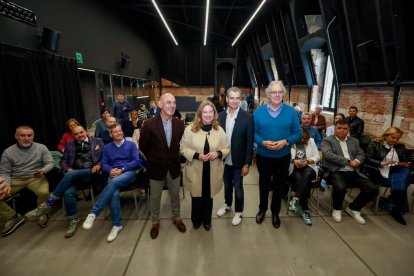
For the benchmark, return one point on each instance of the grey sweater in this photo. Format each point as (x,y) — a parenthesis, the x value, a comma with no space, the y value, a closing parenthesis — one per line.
(19,162)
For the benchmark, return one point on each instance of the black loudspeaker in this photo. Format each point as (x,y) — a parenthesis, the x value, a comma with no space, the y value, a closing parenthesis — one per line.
(50,39)
(124,62)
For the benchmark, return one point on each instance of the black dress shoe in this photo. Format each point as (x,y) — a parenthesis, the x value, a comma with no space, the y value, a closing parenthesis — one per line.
(260,216)
(275,221)
(196,226)
(398,216)
(207,227)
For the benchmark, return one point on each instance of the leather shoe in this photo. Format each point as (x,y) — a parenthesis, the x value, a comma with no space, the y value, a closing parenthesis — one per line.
(260,216)
(180,225)
(154,231)
(196,226)
(398,216)
(275,221)
(207,227)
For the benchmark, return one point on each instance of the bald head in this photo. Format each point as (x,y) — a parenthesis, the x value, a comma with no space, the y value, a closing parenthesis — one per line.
(167,104)
(79,133)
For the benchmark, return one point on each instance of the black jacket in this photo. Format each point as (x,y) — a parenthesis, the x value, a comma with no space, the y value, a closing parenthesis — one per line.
(241,139)
(356,127)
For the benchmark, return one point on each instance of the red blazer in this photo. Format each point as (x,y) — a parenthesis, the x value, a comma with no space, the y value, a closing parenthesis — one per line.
(153,143)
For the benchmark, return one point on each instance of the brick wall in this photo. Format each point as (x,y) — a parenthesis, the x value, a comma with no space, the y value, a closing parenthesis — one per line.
(298,95)
(375,108)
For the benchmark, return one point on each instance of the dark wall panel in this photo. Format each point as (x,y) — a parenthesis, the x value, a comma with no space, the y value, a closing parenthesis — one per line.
(90,27)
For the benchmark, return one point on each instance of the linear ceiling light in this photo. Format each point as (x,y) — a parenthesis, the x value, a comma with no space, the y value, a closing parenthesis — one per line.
(248,22)
(165,22)
(206,24)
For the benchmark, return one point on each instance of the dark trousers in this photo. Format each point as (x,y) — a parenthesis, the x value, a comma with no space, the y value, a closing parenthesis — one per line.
(279,169)
(232,178)
(301,182)
(340,180)
(201,210)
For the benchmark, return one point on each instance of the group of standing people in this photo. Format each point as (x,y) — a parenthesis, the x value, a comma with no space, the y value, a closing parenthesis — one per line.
(218,148)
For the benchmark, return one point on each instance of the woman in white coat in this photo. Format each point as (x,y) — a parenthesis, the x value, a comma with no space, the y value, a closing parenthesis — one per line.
(303,171)
(204,145)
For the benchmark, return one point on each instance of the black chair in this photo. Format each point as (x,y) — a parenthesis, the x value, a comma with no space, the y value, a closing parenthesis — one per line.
(189,117)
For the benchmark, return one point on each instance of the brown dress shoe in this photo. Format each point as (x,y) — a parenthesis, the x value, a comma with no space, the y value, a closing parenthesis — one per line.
(180,225)
(154,231)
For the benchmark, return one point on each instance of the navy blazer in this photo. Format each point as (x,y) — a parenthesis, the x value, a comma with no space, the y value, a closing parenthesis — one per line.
(242,138)
(97,147)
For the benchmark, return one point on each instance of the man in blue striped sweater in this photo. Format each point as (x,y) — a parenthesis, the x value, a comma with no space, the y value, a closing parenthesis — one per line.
(276,128)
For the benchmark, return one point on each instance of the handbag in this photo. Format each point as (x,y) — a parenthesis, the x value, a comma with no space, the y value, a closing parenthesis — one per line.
(399,178)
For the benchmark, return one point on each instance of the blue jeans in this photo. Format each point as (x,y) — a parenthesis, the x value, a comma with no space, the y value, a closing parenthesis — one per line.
(110,195)
(232,178)
(67,189)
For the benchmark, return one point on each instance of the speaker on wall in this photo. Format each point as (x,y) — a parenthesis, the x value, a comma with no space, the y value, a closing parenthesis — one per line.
(124,61)
(50,39)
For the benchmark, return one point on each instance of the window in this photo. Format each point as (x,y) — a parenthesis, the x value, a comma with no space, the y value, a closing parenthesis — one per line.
(274,69)
(329,90)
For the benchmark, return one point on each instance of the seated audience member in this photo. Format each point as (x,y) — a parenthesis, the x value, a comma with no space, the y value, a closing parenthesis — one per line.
(24,165)
(100,125)
(356,124)
(243,104)
(330,130)
(303,170)
(81,161)
(3,189)
(143,113)
(297,109)
(342,155)
(177,114)
(306,120)
(389,162)
(120,161)
(105,135)
(129,125)
(318,121)
(154,109)
(67,136)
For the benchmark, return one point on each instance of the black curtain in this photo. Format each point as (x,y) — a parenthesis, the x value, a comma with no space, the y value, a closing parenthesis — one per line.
(39,90)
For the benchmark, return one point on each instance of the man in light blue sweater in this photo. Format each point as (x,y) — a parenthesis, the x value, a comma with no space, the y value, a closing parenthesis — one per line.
(276,128)
(24,165)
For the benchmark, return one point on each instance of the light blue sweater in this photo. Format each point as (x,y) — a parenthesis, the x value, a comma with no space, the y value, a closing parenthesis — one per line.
(284,126)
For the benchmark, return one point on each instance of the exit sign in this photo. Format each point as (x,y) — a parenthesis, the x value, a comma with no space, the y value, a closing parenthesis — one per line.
(79,57)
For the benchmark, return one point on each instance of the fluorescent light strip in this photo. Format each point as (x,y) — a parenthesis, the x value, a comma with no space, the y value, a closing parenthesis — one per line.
(165,22)
(206,25)
(248,22)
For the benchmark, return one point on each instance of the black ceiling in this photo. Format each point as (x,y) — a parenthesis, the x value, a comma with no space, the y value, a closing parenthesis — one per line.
(186,19)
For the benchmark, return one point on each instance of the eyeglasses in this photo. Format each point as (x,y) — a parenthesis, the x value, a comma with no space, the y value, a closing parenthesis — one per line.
(276,92)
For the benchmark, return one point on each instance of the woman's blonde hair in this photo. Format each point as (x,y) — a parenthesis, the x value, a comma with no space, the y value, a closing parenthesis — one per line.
(390,131)
(197,124)
(71,120)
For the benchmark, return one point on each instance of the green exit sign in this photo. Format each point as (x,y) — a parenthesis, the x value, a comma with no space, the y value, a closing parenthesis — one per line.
(79,57)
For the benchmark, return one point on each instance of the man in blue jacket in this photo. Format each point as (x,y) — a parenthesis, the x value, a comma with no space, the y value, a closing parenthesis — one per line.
(80,163)
(239,127)
(276,128)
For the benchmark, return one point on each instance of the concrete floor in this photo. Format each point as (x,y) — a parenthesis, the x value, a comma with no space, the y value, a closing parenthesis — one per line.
(381,247)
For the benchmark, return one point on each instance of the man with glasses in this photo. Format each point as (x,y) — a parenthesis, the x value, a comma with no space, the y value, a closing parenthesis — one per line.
(276,128)
(80,163)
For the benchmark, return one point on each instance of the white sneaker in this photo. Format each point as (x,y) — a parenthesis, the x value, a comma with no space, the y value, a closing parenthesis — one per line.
(114,233)
(223,210)
(337,215)
(237,218)
(356,215)
(88,223)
